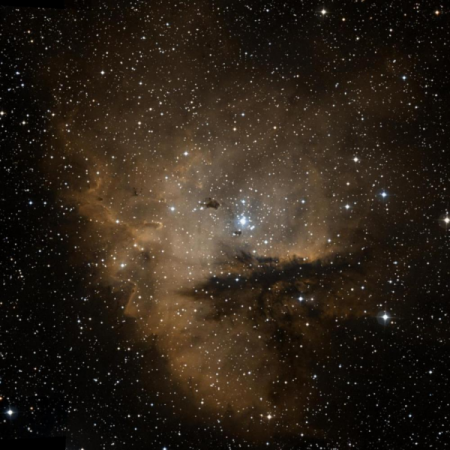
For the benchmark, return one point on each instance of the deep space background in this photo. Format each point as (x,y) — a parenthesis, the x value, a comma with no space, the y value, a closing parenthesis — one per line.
(225,224)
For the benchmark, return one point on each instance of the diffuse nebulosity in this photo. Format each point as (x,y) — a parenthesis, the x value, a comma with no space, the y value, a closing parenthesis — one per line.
(234,241)
(253,206)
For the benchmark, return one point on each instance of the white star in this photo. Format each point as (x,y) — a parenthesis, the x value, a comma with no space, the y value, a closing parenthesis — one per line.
(385,317)
(10,412)
(323,12)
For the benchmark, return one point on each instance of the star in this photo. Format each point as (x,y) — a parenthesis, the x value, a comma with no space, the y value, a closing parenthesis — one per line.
(323,12)
(385,317)
(447,220)
(10,412)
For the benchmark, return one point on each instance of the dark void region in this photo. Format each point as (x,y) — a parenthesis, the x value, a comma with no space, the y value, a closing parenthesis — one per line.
(56,443)
(54,4)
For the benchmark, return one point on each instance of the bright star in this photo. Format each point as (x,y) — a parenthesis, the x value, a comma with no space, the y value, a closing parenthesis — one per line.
(447,220)
(385,317)
(10,412)
(323,12)
(383,194)
(347,206)
(243,221)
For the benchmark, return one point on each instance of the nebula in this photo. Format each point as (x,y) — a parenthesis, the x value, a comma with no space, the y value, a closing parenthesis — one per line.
(250,202)
(241,289)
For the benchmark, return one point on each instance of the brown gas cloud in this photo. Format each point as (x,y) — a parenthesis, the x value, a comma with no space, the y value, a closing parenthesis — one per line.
(241,319)
(243,296)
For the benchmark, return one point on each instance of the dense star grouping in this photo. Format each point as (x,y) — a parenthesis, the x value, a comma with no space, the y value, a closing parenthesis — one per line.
(225,225)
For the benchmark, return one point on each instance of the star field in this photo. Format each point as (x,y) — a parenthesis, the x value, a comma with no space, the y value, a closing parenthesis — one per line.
(225,224)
